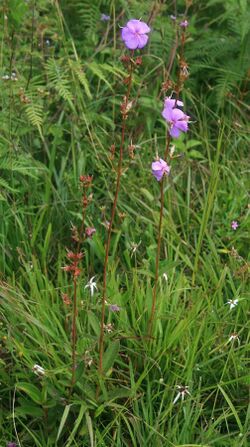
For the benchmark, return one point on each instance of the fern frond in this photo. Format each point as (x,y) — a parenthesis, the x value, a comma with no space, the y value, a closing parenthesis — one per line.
(77,69)
(34,113)
(59,80)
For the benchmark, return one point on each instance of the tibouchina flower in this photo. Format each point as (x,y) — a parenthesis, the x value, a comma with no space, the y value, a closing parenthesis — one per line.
(105,18)
(184,24)
(134,34)
(114,308)
(170,103)
(177,119)
(159,168)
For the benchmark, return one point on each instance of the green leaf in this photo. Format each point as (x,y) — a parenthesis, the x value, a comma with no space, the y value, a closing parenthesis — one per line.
(110,355)
(76,425)
(63,420)
(232,407)
(97,71)
(27,408)
(33,392)
(94,323)
(195,154)
(192,143)
(90,428)
(18,9)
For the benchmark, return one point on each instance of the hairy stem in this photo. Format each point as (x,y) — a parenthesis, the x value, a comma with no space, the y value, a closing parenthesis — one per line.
(74,333)
(107,248)
(158,251)
(74,314)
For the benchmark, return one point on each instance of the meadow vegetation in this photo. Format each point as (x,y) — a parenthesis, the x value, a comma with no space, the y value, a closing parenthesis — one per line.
(86,359)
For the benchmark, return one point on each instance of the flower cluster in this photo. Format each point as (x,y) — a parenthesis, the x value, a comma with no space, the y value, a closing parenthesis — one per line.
(73,267)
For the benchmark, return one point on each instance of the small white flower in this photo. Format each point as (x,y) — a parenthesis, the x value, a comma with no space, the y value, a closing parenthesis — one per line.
(134,247)
(88,359)
(234,336)
(165,276)
(232,303)
(5,77)
(13,76)
(109,327)
(38,370)
(91,285)
(182,392)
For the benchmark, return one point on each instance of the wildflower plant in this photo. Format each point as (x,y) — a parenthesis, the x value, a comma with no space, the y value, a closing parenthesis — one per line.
(135,37)
(77,366)
(177,123)
(73,266)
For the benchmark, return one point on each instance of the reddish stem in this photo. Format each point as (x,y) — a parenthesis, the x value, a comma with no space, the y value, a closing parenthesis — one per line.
(74,333)
(74,330)
(158,252)
(119,173)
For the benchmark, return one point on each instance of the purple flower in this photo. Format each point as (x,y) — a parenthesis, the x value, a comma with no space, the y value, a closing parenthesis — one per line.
(114,308)
(134,34)
(234,225)
(11,444)
(170,103)
(104,18)
(159,168)
(184,24)
(177,119)
(90,231)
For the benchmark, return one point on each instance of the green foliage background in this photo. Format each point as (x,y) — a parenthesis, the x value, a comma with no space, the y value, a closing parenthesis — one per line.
(58,120)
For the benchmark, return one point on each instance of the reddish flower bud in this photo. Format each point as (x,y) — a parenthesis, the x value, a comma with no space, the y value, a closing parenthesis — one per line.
(66,299)
(138,60)
(67,268)
(70,255)
(125,60)
(86,180)
(90,231)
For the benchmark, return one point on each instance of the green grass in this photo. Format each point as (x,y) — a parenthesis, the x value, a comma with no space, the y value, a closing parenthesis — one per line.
(73,89)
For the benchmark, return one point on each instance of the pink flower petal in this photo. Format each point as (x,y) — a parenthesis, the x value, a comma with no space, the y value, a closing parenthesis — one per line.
(167,114)
(182,125)
(142,39)
(177,115)
(156,166)
(171,103)
(131,39)
(138,27)
(174,132)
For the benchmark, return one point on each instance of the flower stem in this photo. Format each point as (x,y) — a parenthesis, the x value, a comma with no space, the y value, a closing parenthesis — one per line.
(74,316)
(74,333)
(119,174)
(158,251)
